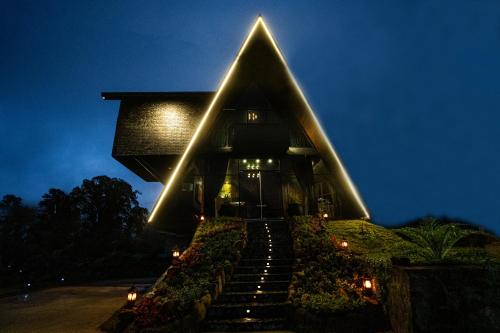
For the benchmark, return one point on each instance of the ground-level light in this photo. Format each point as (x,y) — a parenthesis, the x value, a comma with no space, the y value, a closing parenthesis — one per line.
(367,284)
(132,294)
(176,252)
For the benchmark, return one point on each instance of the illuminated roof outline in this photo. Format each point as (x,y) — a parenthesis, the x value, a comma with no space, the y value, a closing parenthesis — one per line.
(321,142)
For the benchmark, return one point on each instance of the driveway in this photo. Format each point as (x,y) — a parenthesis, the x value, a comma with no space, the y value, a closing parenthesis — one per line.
(62,309)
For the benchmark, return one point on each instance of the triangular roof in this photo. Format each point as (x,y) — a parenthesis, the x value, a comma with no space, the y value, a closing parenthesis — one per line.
(260,45)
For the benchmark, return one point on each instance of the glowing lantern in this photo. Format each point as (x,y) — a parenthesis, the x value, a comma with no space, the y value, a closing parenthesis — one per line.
(325,215)
(367,284)
(176,252)
(202,218)
(344,244)
(132,295)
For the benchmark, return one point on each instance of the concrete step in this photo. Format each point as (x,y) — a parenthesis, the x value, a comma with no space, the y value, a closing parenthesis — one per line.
(254,310)
(264,262)
(246,324)
(255,286)
(263,276)
(253,296)
(275,269)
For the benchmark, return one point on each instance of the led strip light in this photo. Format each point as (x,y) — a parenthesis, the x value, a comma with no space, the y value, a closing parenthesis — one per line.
(197,132)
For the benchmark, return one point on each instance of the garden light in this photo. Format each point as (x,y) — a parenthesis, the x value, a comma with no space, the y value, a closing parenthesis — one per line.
(132,295)
(176,252)
(367,284)
(325,215)
(202,218)
(344,244)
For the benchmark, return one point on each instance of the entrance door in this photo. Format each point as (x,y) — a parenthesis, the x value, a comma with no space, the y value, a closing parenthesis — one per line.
(260,189)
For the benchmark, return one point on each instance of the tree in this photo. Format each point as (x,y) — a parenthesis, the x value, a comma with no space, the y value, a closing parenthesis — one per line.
(108,207)
(58,219)
(16,223)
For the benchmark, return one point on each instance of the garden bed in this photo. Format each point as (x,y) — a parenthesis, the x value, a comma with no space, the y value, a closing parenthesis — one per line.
(178,300)
(327,287)
(327,290)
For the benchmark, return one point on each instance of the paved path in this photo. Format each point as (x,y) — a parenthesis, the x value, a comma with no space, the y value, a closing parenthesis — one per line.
(62,309)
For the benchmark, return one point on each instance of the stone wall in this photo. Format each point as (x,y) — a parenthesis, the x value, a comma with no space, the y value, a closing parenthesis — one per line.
(444,299)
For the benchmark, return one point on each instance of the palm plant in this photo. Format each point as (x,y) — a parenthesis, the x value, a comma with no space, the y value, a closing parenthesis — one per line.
(434,239)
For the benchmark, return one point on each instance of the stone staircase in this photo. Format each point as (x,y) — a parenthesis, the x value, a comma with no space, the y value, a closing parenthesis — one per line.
(255,298)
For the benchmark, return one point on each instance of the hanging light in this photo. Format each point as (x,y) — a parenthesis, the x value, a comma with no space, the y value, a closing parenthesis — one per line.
(132,295)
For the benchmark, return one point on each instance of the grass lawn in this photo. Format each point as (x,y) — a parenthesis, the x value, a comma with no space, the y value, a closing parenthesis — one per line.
(61,309)
(376,243)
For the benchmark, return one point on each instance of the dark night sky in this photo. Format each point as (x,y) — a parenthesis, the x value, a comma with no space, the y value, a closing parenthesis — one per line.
(408,91)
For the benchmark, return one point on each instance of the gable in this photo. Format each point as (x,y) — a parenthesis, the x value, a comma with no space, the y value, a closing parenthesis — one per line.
(260,60)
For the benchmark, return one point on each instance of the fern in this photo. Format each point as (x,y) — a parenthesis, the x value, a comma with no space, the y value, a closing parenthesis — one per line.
(434,239)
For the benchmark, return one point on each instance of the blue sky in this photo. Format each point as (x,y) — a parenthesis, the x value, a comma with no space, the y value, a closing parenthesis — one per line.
(408,91)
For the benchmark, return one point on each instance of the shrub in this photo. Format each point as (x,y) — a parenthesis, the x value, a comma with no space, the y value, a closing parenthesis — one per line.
(215,245)
(435,240)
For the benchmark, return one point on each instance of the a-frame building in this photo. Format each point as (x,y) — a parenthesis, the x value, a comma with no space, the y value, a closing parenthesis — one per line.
(253,148)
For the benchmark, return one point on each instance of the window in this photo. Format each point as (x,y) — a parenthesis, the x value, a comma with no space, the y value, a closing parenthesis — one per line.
(253,116)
